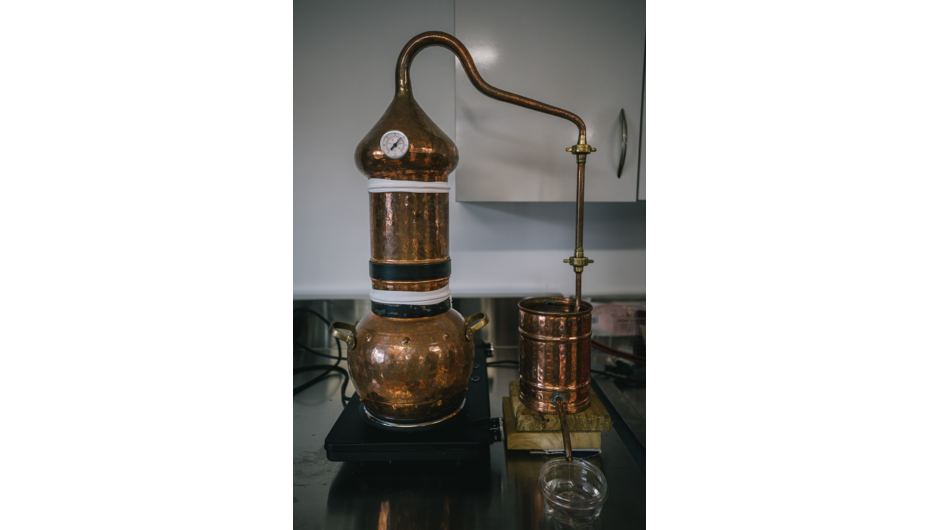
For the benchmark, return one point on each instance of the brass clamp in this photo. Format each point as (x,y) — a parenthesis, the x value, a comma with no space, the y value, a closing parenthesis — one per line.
(581,149)
(578,261)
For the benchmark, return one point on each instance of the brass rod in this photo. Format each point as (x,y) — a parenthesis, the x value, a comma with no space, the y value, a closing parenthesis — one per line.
(579,234)
(445,40)
(579,230)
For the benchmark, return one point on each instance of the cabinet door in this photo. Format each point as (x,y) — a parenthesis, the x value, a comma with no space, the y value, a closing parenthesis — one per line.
(585,58)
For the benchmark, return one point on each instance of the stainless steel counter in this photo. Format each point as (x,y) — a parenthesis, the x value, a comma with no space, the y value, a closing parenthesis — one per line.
(499,493)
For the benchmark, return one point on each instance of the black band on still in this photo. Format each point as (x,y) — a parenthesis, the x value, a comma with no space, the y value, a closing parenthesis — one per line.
(412,272)
(409,311)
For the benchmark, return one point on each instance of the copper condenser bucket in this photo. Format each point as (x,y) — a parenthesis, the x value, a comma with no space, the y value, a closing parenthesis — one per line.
(554,354)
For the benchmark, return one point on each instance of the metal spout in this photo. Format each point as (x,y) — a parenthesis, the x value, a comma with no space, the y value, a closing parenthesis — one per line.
(559,401)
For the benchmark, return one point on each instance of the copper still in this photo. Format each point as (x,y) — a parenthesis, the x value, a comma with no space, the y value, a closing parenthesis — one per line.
(410,358)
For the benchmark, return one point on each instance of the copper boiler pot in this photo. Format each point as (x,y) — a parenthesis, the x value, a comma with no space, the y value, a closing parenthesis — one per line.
(554,353)
(412,369)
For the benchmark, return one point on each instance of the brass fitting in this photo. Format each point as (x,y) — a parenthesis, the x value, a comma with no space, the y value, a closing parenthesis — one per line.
(578,261)
(581,149)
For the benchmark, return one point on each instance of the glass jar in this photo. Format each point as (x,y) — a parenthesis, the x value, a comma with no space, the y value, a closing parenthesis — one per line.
(574,491)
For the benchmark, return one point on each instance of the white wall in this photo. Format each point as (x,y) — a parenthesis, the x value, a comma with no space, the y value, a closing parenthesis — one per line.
(344,76)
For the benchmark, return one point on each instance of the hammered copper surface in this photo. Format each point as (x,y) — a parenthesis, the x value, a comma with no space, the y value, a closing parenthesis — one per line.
(415,287)
(431,154)
(411,369)
(409,227)
(554,353)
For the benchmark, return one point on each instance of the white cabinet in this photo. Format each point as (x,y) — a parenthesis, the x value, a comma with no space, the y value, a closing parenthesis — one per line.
(586,58)
(344,78)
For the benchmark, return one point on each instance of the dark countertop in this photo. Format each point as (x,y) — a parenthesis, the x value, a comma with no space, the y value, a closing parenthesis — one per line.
(498,492)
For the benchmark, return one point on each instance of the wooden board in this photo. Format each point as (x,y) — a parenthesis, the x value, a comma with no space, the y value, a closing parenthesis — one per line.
(594,419)
(543,440)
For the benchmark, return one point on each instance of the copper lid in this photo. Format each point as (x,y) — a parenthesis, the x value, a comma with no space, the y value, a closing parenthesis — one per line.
(431,154)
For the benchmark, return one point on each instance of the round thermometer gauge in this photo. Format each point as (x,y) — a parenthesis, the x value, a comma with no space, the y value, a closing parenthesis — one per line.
(394,144)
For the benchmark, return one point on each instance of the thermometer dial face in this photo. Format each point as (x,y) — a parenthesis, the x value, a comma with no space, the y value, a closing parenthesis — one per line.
(394,144)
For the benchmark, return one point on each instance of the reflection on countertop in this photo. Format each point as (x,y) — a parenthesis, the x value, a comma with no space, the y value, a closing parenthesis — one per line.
(500,491)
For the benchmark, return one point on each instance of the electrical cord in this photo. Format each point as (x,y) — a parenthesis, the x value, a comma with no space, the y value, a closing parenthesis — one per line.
(325,321)
(311,350)
(312,312)
(603,348)
(600,345)
(329,368)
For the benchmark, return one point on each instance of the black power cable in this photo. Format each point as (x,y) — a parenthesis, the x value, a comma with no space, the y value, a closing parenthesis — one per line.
(325,321)
(311,350)
(329,368)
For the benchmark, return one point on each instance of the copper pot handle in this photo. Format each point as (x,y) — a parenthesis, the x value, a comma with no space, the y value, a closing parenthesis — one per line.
(350,339)
(481,321)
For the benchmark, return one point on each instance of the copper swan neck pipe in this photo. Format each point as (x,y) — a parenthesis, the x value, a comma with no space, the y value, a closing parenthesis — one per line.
(439,38)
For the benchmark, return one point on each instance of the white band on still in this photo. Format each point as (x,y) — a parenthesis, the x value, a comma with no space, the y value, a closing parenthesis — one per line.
(386,185)
(409,297)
